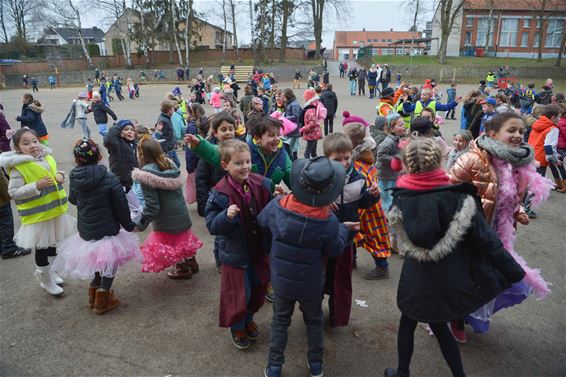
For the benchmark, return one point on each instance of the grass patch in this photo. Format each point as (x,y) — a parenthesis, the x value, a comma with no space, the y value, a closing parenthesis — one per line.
(463,61)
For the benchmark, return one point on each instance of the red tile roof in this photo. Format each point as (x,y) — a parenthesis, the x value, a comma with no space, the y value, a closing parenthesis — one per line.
(516,4)
(374,38)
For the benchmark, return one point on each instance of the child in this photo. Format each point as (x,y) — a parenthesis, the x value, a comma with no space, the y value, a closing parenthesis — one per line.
(527,99)
(240,131)
(488,108)
(197,124)
(293,113)
(101,112)
(130,88)
(166,131)
(451,97)
(121,145)
(178,122)
(89,89)
(482,86)
(561,146)
(231,214)
(386,151)
(36,187)
(171,242)
(304,232)
(448,256)
(460,145)
(100,246)
(374,234)
(81,107)
(31,118)
(501,167)
(398,79)
(355,195)
(216,100)
(544,139)
(311,130)
(256,107)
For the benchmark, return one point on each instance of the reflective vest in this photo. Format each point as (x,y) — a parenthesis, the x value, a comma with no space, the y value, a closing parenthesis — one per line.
(387,110)
(406,118)
(50,203)
(419,108)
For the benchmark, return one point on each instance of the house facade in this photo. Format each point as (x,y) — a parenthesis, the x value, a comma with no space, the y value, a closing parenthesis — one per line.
(347,43)
(208,37)
(514,29)
(54,36)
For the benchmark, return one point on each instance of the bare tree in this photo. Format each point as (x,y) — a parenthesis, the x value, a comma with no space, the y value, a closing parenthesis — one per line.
(18,11)
(224,31)
(3,7)
(234,31)
(318,7)
(562,50)
(174,27)
(491,4)
(287,9)
(449,12)
(252,32)
(188,30)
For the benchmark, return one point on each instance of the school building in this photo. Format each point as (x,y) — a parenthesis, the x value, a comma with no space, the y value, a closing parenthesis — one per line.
(348,43)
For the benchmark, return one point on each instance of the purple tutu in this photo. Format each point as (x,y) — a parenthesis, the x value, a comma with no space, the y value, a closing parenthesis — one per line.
(80,259)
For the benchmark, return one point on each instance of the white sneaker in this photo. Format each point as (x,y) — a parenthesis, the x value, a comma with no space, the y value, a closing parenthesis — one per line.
(44,275)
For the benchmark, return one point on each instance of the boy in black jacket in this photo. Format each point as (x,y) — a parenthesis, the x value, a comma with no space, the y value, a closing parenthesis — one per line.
(101,112)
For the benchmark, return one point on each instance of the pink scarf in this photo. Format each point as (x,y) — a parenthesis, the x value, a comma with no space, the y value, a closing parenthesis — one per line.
(511,181)
(423,181)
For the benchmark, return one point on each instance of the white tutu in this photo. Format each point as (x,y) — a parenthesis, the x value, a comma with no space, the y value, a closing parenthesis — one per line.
(46,233)
(80,259)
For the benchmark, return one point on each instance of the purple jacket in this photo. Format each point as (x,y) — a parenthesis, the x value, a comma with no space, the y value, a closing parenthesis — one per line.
(4,126)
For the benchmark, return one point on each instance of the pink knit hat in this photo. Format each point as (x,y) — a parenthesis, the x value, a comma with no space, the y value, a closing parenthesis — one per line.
(309,94)
(348,118)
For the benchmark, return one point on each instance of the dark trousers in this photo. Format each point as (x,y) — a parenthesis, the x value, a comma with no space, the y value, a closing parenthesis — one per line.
(310,150)
(312,316)
(448,346)
(558,172)
(341,73)
(42,256)
(6,229)
(119,95)
(102,282)
(450,113)
(361,87)
(328,125)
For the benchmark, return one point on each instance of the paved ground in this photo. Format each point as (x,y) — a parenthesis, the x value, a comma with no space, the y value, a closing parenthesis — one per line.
(167,327)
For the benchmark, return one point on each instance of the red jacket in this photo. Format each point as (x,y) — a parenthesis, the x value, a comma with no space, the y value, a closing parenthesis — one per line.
(311,129)
(562,135)
(541,128)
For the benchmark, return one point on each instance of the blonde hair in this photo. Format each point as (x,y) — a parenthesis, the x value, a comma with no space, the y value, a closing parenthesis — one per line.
(149,151)
(229,147)
(356,132)
(422,155)
(336,142)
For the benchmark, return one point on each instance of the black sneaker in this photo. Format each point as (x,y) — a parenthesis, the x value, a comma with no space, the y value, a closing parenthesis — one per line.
(315,369)
(377,273)
(240,339)
(390,372)
(272,371)
(18,252)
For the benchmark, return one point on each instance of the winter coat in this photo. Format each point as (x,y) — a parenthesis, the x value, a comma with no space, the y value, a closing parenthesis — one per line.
(386,151)
(311,127)
(101,203)
(362,74)
(372,77)
(164,204)
(276,167)
(544,138)
(4,126)
(293,111)
(81,108)
(245,102)
(386,75)
(4,196)
(451,94)
(562,135)
(330,101)
(216,99)
(167,133)
(191,158)
(122,155)
(298,248)
(454,262)
(178,123)
(207,176)
(31,118)
(544,97)
(101,112)
(232,237)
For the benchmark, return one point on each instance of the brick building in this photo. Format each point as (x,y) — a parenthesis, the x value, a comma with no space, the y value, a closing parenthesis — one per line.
(347,43)
(514,30)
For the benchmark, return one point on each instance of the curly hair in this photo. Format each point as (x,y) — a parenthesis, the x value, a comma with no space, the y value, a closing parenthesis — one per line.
(422,155)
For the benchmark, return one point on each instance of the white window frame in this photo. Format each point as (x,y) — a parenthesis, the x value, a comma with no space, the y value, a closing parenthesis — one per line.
(535,42)
(525,43)
(554,36)
(482,31)
(469,21)
(508,32)
(526,23)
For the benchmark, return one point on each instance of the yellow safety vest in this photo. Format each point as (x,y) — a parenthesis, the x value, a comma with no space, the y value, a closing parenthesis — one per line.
(419,108)
(380,105)
(406,118)
(50,203)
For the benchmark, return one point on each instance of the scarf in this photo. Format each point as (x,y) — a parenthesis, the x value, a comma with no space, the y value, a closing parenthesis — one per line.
(517,157)
(424,181)
(241,188)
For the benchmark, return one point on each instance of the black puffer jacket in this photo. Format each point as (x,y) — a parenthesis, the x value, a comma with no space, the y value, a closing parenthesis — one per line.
(101,202)
(101,112)
(167,133)
(122,155)
(454,262)
(330,101)
(207,176)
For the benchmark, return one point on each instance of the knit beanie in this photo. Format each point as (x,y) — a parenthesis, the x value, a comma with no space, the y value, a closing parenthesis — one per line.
(309,94)
(465,134)
(379,122)
(86,152)
(124,122)
(349,118)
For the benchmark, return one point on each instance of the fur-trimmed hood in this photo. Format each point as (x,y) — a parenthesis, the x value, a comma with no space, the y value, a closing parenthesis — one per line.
(152,176)
(453,235)
(364,152)
(11,159)
(36,108)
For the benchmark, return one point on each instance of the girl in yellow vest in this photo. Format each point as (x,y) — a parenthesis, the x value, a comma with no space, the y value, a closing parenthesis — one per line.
(36,187)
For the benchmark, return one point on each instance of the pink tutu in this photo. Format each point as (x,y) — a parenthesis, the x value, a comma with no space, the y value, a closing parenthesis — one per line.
(80,259)
(190,189)
(162,250)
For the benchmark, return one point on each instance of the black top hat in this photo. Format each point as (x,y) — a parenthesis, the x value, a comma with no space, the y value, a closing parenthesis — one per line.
(317,182)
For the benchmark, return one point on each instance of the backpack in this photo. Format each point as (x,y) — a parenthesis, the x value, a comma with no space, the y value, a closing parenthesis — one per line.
(321,111)
(526,99)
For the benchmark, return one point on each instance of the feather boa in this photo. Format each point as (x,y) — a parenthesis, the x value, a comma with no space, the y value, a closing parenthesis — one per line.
(511,182)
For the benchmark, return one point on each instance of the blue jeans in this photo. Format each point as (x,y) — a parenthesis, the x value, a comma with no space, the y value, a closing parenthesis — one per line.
(6,229)
(102,128)
(84,127)
(353,85)
(282,314)
(136,187)
(172,154)
(386,197)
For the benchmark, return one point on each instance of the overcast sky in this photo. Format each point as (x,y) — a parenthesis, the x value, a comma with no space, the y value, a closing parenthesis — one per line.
(375,15)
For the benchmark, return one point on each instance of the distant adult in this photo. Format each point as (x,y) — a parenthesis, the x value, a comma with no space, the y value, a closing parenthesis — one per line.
(379,71)
(372,80)
(353,77)
(362,75)
(385,77)
(96,75)
(187,72)
(326,78)
(180,74)
(341,68)
(330,101)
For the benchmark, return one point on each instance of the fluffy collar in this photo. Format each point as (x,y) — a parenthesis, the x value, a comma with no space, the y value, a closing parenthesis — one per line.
(455,234)
(12,159)
(155,181)
(363,152)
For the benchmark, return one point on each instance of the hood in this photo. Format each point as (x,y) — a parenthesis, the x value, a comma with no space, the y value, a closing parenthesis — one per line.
(152,176)
(363,152)
(297,229)
(11,159)
(86,178)
(429,242)
(542,124)
(36,108)
(313,101)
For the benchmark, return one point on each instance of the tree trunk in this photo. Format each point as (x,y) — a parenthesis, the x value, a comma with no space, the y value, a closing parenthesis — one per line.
(414,27)
(317,13)
(126,37)
(144,41)
(252,32)
(3,22)
(442,49)
(188,29)
(447,18)
(486,47)
(224,31)
(174,27)
(285,20)
(562,49)
(541,30)
(272,26)
(234,31)
(81,39)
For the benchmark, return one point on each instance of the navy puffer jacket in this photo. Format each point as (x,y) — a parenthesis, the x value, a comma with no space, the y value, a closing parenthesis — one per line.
(101,203)
(298,247)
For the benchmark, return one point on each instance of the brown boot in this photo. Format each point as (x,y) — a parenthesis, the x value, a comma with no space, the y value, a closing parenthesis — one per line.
(193,265)
(91,295)
(560,185)
(105,301)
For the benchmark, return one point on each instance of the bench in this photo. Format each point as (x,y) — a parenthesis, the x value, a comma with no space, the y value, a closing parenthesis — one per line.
(241,72)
